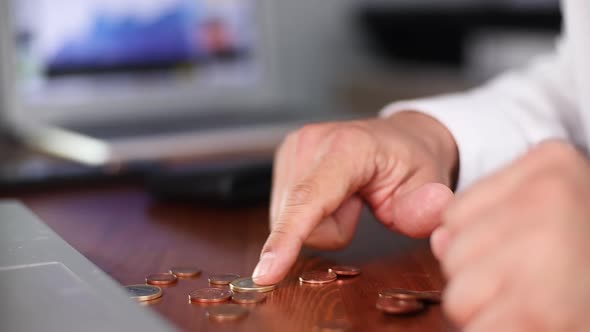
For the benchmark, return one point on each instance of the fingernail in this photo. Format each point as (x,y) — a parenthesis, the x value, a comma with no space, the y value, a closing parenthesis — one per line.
(264,266)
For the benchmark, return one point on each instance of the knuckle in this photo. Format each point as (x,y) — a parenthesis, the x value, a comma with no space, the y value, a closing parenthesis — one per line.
(554,189)
(555,185)
(349,134)
(281,230)
(309,133)
(555,151)
(301,194)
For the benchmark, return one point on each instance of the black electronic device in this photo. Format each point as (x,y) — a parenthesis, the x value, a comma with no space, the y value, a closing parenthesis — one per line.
(437,33)
(226,184)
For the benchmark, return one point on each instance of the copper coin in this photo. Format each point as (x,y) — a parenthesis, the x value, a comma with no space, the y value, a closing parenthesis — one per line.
(398,307)
(150,302)
(339,325)
(347,271)
(317,277)
(209,295)
(431,296)
(406,294)
(248,298)
(185,271)
(227,312)
(161,279)
(223,279)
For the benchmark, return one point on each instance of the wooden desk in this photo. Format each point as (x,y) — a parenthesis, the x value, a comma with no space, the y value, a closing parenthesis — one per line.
(126,234)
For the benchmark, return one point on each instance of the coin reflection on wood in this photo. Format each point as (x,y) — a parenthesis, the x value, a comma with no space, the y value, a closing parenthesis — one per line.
(317,277)
(346,271)
(185,271)
(406,294)
(143,293)
(223,279)
(248,285)
(248,298)
(161,279)
(227,312)
(209,295)
(398,307)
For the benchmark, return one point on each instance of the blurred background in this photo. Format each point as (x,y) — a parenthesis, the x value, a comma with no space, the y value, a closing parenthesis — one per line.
(103,86)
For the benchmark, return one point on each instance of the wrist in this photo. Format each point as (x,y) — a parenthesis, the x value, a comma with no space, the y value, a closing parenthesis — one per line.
(437,138)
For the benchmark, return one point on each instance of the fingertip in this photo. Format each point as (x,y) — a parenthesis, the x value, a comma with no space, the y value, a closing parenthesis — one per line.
(269,271)
(265,280)
(276,260)
(418,212)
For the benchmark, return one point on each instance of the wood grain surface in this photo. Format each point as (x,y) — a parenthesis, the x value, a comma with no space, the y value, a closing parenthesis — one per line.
(128,235)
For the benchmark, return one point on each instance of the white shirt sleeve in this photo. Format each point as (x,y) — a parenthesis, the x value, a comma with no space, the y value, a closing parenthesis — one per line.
(494,124)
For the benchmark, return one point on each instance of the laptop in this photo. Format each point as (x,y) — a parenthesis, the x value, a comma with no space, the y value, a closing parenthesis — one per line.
(110,82)
(46,285)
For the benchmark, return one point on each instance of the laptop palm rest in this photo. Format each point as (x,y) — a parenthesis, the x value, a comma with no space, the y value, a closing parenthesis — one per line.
(51,294)
(46,285)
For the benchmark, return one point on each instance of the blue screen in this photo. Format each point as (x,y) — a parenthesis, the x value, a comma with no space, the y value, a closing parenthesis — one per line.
(66,37)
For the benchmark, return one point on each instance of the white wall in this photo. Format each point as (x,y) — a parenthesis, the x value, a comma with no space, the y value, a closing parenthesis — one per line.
(319,42)
(316,38)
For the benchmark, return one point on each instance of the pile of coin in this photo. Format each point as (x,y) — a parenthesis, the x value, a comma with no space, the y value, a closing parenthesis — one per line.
(245,285)
(151,291)
(242,291)
(320,277)
(399,301)
(223,289)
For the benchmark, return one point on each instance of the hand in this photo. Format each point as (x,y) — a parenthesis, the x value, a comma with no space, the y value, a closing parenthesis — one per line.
(516,246)
(401,166)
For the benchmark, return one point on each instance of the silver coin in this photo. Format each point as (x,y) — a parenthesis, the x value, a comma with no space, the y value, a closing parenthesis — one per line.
(144,292)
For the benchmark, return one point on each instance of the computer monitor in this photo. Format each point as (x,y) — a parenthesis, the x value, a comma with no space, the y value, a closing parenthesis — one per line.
(85,61)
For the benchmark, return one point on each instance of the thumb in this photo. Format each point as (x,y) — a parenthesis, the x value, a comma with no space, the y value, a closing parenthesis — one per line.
(417,213)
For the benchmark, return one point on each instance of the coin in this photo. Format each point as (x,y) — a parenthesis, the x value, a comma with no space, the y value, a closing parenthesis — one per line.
(431,296)
(209,295)
(317,277)
(248,298)
(406,294)
(248,285)
(338,325)
(348,271)
(398,307)
(161,279)
(227,312)
(144,292)
(151,302)
(185,271)
(223,279)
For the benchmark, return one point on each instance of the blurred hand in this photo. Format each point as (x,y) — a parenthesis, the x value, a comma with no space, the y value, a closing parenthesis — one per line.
(402,166)
(516,246)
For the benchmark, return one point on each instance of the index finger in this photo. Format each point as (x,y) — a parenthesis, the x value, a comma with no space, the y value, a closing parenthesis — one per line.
(309,201)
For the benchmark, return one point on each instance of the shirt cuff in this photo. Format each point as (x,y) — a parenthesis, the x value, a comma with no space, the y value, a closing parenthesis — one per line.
(483,140)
